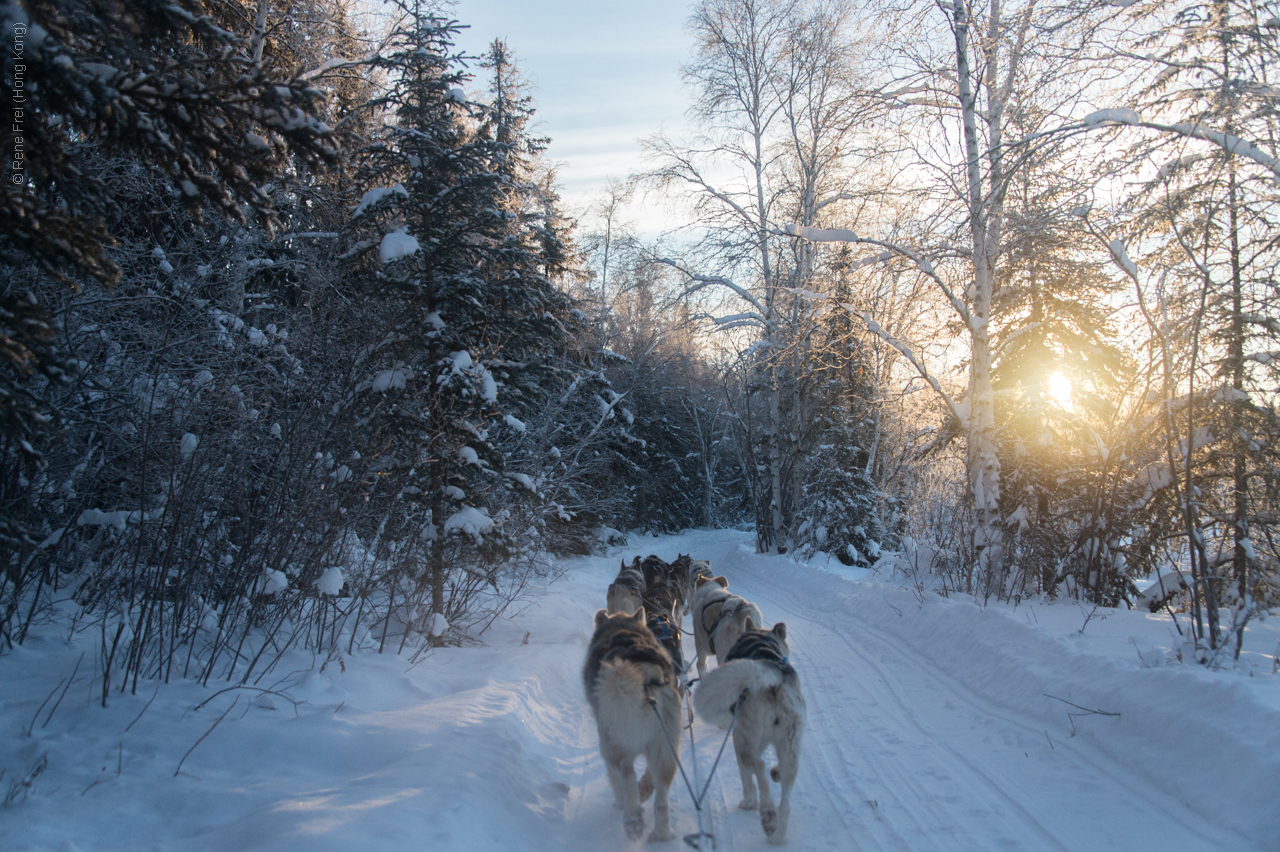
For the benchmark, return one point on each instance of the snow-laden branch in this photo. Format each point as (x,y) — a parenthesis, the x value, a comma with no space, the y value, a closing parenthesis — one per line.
(844,235)
(737,320)
(839,196)
(1126,117)
(1122,259)
(821,235)
(606,411)
(879,331)
(1004,344)
(700,281)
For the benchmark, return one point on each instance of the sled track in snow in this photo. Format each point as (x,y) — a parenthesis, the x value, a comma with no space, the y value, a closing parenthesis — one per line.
(901,756)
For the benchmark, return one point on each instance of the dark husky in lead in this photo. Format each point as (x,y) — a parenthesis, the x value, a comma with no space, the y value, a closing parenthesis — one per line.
(654,570)
(771,712)
(625,669)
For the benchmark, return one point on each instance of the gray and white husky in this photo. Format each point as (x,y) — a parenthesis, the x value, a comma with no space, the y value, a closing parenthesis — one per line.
(625,668)
(627,589)
(757,673)
(719,618)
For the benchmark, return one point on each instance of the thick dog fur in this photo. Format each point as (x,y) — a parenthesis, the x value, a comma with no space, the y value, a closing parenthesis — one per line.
(719,618)
(771,713)
(626,592)
(708,594)
(654,570)
(624,666)
(678,577)
(697,569)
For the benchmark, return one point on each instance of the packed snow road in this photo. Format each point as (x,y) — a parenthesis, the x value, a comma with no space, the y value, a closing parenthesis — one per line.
(928,729)
(899,756)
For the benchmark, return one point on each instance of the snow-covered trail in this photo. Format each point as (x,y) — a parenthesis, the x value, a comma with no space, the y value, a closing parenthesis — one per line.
(900,756)
(927,730)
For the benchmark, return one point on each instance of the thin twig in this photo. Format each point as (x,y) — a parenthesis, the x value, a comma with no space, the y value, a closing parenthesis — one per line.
(70,681)
(259,689)
(1085,711)
(95,781)
(144,710)
(32,726)
(206,733)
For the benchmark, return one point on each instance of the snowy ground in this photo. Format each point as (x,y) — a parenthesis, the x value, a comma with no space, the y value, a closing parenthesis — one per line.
(929,729)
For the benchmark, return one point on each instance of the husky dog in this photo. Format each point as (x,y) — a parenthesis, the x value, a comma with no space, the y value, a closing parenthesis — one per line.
(626,591)
(770,709)
(626,668)
(696,569)
(718,620)
(662,605)
(678,577)
(654,570)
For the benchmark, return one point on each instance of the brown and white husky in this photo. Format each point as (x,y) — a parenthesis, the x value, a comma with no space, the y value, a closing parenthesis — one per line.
(625,668)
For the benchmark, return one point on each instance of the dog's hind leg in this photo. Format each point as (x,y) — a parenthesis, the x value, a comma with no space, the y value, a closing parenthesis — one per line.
(747,762)
(700,647)
(646,784)
(662,763)
(622,777)
(785,772)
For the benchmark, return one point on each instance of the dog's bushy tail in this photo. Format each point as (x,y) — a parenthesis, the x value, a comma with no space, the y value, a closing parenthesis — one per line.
(717,691)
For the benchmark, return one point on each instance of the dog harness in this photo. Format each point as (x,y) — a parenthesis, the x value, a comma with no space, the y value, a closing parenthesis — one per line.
(724,613)
(665,630)
(761,645)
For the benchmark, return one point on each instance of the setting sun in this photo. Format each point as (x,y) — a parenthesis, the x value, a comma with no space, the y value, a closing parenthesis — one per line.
(1060,390)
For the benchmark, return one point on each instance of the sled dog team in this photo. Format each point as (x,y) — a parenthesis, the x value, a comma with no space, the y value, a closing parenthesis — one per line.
(635,683)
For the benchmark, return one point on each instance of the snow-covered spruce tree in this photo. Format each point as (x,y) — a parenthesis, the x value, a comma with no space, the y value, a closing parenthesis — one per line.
(841,510)
(453,265)
(159,81)
(1053,328)
(152,85)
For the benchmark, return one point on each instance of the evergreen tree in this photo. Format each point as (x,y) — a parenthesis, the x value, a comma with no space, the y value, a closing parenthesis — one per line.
(468,316)
(160,84)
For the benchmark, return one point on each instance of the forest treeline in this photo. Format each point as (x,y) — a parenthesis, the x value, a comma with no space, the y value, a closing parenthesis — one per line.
(299,348)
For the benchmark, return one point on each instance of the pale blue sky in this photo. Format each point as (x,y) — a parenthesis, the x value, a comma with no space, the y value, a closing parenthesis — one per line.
(606,74)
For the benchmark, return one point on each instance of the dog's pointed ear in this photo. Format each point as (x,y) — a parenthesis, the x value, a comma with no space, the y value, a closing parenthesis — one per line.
(602,615)
(638,615)
(781,630)
(724,583)
(748,624)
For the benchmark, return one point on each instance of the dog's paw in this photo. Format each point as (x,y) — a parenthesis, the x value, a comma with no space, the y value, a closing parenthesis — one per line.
(748,804)
(646,786)
(661,835)
(769,821)
(634,826)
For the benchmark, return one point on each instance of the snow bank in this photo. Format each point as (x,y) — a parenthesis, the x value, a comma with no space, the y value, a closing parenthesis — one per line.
(1210,738)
